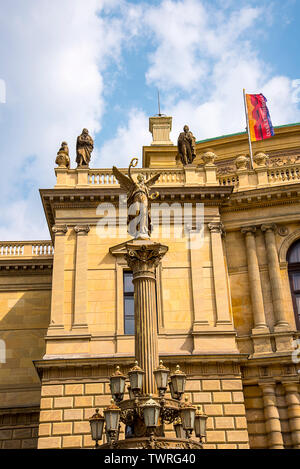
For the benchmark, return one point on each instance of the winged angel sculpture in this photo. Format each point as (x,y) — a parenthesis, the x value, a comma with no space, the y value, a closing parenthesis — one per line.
(138,200)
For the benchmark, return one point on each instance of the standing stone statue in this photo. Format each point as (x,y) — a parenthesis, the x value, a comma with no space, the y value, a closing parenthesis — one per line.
(186,146)
(84,148)
(138,197)
(63,159)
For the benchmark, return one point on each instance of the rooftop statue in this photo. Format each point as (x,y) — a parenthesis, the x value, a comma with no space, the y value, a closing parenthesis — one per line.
(138,200)
(84,148)
(186,146)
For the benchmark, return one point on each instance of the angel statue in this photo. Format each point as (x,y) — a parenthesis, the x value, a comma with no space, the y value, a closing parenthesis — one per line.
(138,197)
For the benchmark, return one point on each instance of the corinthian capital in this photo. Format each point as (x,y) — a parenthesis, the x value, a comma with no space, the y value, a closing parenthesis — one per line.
(269,227)
(216,227)
(60,229)
(144,257)
(82,229)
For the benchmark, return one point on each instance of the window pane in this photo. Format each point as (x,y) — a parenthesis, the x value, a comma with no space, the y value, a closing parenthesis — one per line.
(128,315)
(296,280)
(129,306)
(129,326)
(294,254)
(128,285)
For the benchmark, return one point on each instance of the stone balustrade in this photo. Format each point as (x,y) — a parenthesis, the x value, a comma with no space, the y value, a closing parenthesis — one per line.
(265,174)
(260,176)
(104,177)
(28,249)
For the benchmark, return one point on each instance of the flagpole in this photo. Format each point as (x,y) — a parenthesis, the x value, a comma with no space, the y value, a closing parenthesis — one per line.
(248,129)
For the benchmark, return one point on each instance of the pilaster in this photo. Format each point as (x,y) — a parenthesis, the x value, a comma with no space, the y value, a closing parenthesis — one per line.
(219,272)
(80,293)
(57,301)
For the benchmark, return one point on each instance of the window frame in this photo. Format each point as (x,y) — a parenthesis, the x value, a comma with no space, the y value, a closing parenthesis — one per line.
(294,267)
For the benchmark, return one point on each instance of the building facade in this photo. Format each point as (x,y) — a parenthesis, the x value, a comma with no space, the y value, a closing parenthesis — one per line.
(227,308)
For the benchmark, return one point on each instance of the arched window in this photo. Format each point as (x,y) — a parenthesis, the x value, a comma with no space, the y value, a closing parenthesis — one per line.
(293,258)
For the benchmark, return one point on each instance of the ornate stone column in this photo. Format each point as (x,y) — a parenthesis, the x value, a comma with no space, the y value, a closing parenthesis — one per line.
(293,404)
(143,257)
(272,419)
(275,277)
(220,276)
(58,283)
(80,293)
(254,278)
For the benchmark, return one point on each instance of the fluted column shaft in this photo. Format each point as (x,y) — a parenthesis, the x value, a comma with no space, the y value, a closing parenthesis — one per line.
(274,273)
(272,418)
(146,347)
(293,404)
(254,279)
(143,257)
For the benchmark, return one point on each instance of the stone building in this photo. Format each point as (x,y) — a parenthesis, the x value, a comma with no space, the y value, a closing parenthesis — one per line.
(228,310)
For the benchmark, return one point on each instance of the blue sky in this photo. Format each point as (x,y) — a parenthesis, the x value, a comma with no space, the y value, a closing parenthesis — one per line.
(69,64)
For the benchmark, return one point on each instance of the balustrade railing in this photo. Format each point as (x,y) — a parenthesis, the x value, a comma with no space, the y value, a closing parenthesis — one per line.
(105,177)
(26,249)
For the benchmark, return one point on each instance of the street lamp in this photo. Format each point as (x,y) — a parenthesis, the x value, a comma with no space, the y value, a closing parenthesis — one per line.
(151,410)
(142,413)
(187,414)
(97,424)
(161,375)
(117,385)
(136,375)
(112,419)
(200,424)
(178,380)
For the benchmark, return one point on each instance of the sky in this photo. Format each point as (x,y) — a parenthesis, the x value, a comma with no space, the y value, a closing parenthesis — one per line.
(70,64)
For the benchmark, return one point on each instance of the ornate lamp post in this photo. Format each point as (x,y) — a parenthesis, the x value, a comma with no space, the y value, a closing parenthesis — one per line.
(146,411)
(144,414)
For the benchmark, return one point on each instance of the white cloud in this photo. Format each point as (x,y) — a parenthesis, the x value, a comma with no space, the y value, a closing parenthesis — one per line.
(204,57)
(54,59)
(127,143)
(53,55)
